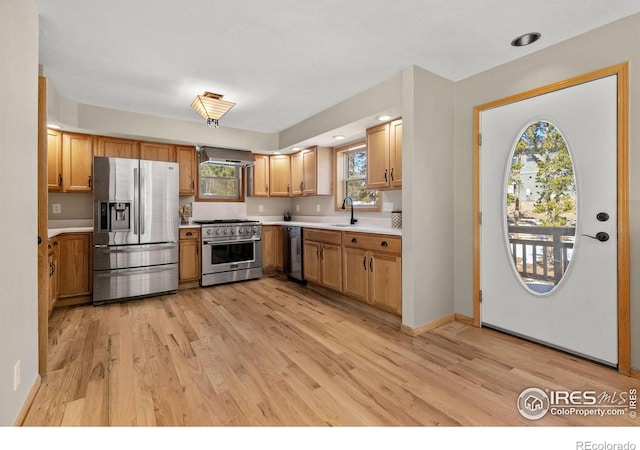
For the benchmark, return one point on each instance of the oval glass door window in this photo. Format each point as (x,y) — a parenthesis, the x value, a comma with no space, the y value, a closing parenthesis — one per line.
(541,207)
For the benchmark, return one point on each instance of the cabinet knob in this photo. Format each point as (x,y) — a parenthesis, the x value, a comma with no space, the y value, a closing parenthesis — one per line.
(354,240)
(189,233)
(384,244)
(385,175)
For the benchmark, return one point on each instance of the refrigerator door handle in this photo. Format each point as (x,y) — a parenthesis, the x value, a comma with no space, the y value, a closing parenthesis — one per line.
(143,198)
(136,201)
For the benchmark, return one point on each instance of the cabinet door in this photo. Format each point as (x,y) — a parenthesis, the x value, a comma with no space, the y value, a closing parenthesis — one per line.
(355,273)
(261,176)
(117,148)
(77,162)
(280,175)
(378,157)
(385,283)
(74,258)
(189,259)
(155,151)
(297,173)
(395,153)
(311,261)
(269,246)
(54,161)
(186,158)
(309,172)
(331,266)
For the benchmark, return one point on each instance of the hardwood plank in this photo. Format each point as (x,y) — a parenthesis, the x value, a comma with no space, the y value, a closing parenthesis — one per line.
(270,352)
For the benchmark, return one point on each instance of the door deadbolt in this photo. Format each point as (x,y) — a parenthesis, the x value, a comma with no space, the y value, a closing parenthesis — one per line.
(602,216)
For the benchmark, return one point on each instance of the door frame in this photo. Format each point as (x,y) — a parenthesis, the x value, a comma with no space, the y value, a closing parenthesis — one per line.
(622,135)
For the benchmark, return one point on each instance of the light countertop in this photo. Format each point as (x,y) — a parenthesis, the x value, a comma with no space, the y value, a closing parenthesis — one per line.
(357,228)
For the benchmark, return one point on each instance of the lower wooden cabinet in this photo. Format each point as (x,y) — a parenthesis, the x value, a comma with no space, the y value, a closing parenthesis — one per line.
(272,247)
(74,264)
(189,254)
(322,258)
(53,272)
(373,270)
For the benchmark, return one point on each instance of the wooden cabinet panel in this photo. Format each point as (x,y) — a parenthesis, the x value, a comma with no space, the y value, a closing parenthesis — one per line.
(328,236)
(297,173)
(355,273)
(53,272)
(331,266)
(384,155)
(309,172)
(187,160)
(280,175)
(77,162)
(54,161)
(156,151)
(74,259)
(261,176)
(386,282)
(378,157)
(189,257)
(395,153)
(311,261)
(117,148)
(379,242)
(272,247)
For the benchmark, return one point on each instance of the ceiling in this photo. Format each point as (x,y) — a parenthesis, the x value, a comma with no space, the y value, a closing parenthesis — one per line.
(282,61)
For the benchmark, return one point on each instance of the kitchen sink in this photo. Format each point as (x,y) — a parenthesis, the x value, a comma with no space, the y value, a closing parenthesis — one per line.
(342,225)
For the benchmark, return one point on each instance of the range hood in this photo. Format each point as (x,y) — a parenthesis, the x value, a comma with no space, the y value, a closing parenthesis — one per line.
(226,156)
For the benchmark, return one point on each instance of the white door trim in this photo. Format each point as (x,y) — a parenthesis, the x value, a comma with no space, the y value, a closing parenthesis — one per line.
(622,72)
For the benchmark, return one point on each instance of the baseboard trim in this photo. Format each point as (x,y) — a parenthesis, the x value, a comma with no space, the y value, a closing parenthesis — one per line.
(464,319)
(427,326)
(22,415)
(634,373)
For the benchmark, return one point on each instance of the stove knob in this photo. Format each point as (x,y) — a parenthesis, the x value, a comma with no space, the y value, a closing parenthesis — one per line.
(209,232)
(255,230)
(226,231)
(217,230)
(240,230)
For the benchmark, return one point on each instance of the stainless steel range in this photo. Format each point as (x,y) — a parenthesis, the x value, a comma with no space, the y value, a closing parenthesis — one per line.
(231,251)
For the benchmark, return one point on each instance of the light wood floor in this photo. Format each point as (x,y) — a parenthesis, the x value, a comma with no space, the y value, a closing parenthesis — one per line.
(271,352)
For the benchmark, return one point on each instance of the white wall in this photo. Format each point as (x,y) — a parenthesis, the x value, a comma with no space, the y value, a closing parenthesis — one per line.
(609,45)
(427,196)
(18,197)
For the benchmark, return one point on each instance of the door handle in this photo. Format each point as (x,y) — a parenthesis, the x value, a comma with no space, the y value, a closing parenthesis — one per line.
(600,236)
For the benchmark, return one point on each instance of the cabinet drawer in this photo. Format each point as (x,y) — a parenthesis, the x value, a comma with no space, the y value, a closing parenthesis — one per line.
(189,233)
(330,237)
(377,242)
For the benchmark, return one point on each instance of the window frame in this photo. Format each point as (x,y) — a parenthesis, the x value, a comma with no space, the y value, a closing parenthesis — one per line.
(341,181)
(241,177)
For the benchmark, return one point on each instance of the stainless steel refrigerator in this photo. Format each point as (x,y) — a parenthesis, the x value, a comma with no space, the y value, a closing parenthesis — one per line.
(136,225)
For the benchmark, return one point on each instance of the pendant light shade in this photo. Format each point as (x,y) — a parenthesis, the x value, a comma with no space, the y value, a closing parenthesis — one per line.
(211,107)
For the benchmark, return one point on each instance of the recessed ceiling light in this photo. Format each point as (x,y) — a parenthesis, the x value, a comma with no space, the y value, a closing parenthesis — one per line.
(277,153)
(525,39)
(338,137)
(383,118)
(54,126)
(295,149)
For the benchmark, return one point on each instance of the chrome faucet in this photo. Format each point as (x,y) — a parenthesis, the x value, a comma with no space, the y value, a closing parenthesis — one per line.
(344,206)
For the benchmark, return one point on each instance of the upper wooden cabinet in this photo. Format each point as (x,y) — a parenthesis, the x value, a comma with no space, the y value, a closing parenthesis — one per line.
(384,155)
(261,176)
(117,148)
(311,171)
(280,175)
(77,162)
(156,151)
(54,160)
(187,160)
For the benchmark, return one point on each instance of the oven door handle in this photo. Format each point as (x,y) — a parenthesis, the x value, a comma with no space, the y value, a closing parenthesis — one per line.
(244,241)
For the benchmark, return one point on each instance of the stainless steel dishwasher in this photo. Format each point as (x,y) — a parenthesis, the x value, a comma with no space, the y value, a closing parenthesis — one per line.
(292,252)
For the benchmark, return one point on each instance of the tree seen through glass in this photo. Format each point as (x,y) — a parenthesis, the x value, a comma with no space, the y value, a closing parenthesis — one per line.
(217,180)
(356,179)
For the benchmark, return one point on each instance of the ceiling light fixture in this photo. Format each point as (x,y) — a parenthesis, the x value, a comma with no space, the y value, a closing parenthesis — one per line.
(211,107)
(525,39)
(384,118)
(338,137)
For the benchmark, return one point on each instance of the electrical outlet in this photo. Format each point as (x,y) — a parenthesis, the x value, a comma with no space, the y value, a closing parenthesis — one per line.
(297,208)
(260,208)
(16,376)
(56,208)
(318,208)
(387,206)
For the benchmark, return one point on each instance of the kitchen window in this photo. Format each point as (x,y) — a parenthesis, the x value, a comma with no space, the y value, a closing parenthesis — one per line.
(351,179)
(219,182)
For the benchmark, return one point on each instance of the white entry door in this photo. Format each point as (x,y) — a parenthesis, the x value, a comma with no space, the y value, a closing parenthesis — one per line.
(554,287)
